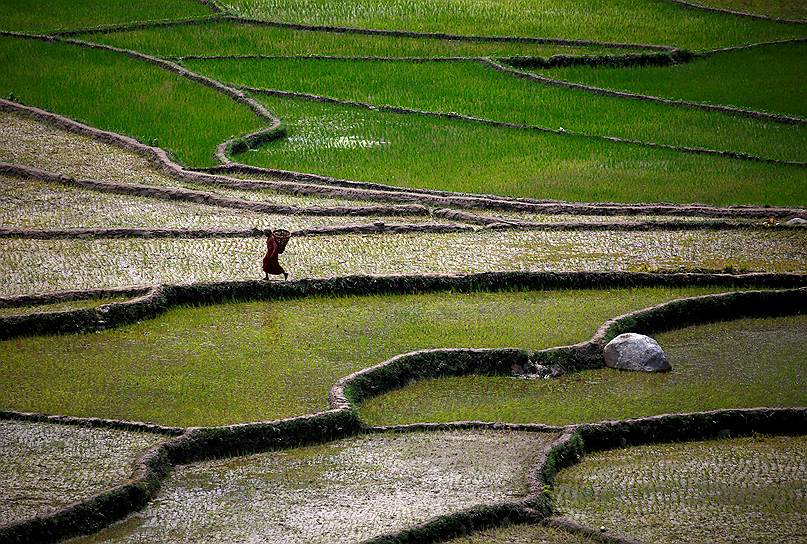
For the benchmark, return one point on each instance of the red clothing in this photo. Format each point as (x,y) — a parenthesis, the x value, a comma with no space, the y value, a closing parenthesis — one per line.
(270,262)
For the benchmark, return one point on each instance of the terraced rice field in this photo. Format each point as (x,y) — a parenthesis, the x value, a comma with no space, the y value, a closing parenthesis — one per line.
(269,360)
(692,491)
(743,363)
(572,160)
(49,466)
(348,490)
(47,265)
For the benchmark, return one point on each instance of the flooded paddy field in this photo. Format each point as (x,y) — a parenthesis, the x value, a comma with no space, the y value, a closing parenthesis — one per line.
(344,491)
(34,204)
(257,361)
(47,265)
(48,466)
(734,364)
(749,490)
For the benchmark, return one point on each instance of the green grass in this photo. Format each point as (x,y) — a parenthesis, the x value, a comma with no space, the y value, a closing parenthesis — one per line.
(765,78)
(746,490)
(113,92)
(50,15)
(229,38)
(744,363)
(472,89)
(787,9)
(651,21)
(413,151)
(268,360)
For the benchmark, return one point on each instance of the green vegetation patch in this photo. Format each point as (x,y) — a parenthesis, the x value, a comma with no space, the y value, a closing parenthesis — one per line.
(47,467)
(230,38)
(652,21)
(267,360)
(472,89)
(415,151)
(51,15)
(523,534)
(748,490)
(736,364)
(764,78)
(786,9)
(36,266)
(344,491)
(114,92)
(61,306)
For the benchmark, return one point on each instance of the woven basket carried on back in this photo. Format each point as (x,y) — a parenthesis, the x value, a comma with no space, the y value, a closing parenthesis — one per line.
(282,236)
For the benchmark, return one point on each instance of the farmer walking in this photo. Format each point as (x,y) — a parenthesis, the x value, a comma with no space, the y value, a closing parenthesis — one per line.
(275,245)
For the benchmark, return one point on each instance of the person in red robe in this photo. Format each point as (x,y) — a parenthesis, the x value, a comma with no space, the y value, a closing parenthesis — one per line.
(270,260)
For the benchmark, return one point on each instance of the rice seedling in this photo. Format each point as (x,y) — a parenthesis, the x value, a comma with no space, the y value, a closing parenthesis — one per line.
(522,534)
(346,491)
(31,266)
(113,92)
(46,466)
(765,78)
(737,364)
(33,143)
(787,9)
(232,38)
(472,89)
(413,151)
(743,489)
(652,21)
(266,360)
(42,205)
(60,306)
(51,15)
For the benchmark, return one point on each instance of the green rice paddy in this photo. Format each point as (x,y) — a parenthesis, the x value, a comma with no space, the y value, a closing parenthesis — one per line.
(236,38)
(470,88)
(651,21)
(736,364)
(413,151)
(267,360)
(790,9)
(51,15)
(61,306)
(113,92)
(764,78)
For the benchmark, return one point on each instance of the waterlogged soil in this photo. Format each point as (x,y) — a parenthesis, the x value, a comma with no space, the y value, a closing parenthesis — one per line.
(735,364)
(344,491)
(259,361)
(32,143)
(31,266)
(522,534)
(60,306)
(46,466)
(746,490)
(36,204)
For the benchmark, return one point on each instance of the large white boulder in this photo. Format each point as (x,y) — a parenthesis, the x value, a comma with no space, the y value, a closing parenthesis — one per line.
(631,351)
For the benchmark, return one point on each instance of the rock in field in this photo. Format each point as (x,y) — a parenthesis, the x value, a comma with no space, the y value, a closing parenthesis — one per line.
(796,222)
(631,351)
